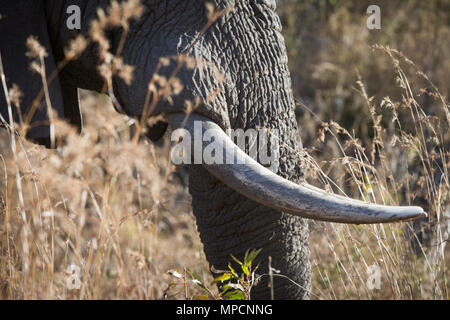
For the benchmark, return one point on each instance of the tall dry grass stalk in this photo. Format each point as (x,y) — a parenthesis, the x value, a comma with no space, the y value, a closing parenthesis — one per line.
(408,163)
(90,219)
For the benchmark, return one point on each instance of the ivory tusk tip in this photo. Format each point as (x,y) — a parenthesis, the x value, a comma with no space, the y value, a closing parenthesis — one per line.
(423,214)
(415,214)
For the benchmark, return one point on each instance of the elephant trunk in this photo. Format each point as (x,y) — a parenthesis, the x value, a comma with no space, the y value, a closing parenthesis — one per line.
(230,223)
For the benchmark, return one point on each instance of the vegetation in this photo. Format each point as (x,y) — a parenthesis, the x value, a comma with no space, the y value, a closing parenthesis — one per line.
(107,216)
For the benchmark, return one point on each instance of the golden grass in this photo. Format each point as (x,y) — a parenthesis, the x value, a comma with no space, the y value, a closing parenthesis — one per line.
(111,206)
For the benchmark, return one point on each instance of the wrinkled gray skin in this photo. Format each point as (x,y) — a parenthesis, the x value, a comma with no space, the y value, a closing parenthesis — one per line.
(247,47)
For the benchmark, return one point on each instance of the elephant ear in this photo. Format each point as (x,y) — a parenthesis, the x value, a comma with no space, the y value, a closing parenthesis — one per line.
(21,19)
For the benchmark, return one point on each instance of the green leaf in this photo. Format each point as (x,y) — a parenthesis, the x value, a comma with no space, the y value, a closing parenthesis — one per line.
(233,272)
(224,277)
(234,295)
(251,256)
(234,258)
(245,269)
(235,286)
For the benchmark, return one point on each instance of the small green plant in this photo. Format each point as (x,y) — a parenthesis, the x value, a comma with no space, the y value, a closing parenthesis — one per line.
(235,286)
(238,287)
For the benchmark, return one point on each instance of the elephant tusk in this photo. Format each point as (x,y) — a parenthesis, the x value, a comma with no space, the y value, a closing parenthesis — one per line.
(258,183)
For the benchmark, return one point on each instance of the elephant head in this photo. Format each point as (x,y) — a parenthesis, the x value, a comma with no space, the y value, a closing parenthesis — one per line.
(235,69)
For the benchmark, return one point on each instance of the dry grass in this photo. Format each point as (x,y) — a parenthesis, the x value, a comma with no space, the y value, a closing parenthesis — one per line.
(112,206)
(407,164)
(380,131)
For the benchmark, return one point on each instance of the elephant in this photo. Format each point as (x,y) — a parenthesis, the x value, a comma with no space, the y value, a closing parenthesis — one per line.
(238,205)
